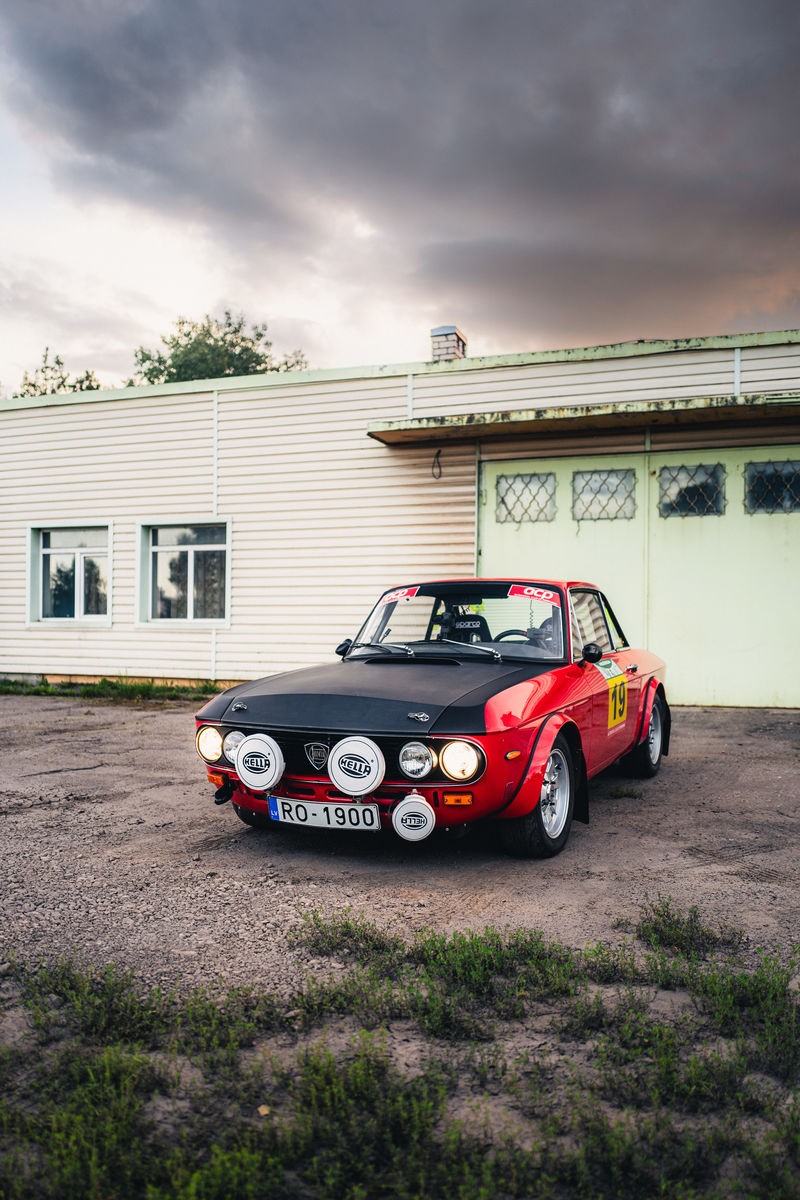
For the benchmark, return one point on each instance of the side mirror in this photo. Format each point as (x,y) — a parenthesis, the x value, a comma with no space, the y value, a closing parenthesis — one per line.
(343,647)
(592,653)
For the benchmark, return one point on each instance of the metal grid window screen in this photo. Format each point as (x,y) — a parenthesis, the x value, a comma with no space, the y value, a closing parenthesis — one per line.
(692,491)
(603,495)
(525,498)
(772,487)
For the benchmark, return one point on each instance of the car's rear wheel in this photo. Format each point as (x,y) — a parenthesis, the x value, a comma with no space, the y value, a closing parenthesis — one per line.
(645,760)
(255,819)
(545,830)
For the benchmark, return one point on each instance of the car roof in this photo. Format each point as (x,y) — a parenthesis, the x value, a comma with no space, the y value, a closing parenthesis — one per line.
(535,580)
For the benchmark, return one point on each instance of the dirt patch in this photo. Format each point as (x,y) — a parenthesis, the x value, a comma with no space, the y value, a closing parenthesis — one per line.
(113,851)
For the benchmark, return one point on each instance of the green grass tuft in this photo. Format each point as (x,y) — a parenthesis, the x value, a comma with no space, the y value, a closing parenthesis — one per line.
(588,1089)
(113,690)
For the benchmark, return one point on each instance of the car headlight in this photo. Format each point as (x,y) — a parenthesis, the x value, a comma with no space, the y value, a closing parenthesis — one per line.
(232,740)
(460,761)
(416,760)
(209,743)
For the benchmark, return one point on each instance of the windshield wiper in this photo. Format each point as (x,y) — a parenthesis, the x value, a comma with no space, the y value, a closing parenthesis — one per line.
(496,655)
(384,646)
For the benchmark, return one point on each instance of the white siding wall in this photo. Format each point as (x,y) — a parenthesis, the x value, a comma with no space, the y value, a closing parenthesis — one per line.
(322,517)
(667,376)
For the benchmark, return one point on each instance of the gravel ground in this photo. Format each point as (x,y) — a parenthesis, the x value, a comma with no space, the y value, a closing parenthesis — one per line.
(112,851)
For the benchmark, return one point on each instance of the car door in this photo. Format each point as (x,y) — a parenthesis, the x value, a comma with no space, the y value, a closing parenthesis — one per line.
(614,681)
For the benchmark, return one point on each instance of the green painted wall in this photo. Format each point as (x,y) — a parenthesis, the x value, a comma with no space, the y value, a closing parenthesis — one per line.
(716,596)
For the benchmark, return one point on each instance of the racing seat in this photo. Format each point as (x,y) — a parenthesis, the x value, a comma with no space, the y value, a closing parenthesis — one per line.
(464,627)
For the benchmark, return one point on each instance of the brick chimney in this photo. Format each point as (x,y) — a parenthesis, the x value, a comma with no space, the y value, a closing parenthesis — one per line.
(447,343)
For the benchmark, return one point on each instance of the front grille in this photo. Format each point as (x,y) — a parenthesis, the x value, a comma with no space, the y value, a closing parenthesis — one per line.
(293,745)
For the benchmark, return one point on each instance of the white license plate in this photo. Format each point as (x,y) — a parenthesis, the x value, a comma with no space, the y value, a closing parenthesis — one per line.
(325,816)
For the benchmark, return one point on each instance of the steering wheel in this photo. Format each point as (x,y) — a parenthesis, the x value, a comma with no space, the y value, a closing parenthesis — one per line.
(510,633)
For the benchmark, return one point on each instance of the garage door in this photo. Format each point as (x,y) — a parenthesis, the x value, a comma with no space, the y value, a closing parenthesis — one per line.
(698,551)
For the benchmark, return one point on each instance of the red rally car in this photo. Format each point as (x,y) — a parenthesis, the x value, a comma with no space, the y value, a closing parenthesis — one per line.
(457,701)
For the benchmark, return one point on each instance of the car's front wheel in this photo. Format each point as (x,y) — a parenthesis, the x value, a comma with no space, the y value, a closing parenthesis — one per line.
(544,831)
(255,819)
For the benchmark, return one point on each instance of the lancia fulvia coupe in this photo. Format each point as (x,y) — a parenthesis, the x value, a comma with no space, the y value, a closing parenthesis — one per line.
(457,702)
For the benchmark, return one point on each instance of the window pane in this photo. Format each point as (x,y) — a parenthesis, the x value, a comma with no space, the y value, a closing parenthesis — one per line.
(618,637)
(95,586)
(170,573)
(209,583)
(189,535)
(692,491)
(58,593)
(603,495)
(589,623)
(525,498)
(74,539)
(772,487)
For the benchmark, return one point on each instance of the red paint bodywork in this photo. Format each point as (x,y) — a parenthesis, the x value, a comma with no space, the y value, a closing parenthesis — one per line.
(523,721)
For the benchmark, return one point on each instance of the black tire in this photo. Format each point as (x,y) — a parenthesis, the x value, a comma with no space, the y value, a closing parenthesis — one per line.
(545,831)
(645,760)
(255,819)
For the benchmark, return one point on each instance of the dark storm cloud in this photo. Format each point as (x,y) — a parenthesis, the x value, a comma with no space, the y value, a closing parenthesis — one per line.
(538,170)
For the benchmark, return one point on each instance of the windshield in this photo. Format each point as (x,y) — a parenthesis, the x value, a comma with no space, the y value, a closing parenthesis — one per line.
(504,617)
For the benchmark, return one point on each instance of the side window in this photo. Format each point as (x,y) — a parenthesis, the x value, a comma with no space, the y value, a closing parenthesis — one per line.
(617,636)
(603,495)
(588,622)
(692,491)
(772,487)
(188,572)
(525,498)
(71,570)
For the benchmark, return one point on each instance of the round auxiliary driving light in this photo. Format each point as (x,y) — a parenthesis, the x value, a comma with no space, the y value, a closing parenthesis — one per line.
(356,766)
(209,743)
(259,762)
(460,761)
(413,819)
(416,760)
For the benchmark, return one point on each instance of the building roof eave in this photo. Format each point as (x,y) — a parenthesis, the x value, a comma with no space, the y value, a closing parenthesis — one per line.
(558,421)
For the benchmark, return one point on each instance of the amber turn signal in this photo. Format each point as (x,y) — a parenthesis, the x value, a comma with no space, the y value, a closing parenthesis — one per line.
(457,798)
(513,754)
(216,778)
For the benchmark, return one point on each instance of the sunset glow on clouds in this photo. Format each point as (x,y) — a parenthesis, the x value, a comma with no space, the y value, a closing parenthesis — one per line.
(354,173)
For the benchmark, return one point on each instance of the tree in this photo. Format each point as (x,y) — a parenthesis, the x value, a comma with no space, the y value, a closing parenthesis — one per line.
(211,349)
(52,377)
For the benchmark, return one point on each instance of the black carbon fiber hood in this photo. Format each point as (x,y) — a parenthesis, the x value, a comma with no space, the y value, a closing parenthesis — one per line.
(373,695)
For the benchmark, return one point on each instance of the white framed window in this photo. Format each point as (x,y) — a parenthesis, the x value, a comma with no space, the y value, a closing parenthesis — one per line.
(187,571)
(70,575)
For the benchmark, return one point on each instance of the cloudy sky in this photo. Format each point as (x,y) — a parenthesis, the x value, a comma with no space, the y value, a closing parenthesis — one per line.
(542,173)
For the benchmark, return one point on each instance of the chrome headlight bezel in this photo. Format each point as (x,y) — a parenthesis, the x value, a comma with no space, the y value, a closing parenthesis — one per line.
(427,756)
(208,742)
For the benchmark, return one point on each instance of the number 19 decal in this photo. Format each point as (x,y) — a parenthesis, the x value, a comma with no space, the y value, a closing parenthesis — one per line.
(617,700)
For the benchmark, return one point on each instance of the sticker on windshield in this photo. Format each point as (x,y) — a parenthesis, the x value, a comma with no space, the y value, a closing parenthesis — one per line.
(534,593)
(399,594)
